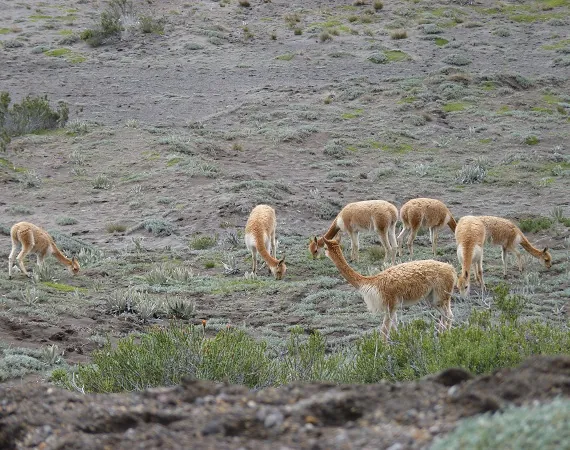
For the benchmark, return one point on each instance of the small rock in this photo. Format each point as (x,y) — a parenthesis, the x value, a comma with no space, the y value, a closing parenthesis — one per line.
(274,420)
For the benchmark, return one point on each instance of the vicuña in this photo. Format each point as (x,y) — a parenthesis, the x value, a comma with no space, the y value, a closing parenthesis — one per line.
(401,285)
(260,238)
(506,234)
(377,215)
(35,240)
(424,212)
(470,237)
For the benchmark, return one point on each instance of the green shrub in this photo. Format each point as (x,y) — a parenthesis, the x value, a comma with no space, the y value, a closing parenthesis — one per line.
(510,305)
(535,224)
(31,115)
(203,242)
(109,25)
(151,25)
(63,220)
(164,355)
(544,427)
(4,136)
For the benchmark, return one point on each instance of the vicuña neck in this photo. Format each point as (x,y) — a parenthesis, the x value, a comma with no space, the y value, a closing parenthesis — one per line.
(260,245)
(60,256)
(330,234)
(349,274)
(530,248)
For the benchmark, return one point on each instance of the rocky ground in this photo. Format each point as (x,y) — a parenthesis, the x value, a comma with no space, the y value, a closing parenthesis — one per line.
(207,415)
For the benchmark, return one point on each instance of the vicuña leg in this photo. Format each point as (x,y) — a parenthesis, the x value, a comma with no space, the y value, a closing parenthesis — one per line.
(11,258)
(20,259)
(393,242)
(354,245)
(479,274)
(385,240)
(400,239)
(434,235)
(411,239)
(254,260)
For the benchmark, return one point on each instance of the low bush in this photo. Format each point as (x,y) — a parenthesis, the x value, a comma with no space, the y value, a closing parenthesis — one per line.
(164,356)
(535,224)
(544,427)
(33,114)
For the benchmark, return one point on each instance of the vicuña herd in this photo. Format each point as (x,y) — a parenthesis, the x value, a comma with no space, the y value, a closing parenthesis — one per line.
(399,285)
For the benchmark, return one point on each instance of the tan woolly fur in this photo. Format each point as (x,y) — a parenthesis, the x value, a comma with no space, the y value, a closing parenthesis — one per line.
(424,212)
(35,240)
(470,237)
(369,215)
(506,234)
(260,238)
(401,285)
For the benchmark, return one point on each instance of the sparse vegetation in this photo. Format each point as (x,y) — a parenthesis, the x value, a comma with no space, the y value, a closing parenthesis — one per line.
(186,120)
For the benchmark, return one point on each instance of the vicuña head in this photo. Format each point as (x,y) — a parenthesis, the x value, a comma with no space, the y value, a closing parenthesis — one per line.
(369,215)
(34,239)
(260,238)
(401,285)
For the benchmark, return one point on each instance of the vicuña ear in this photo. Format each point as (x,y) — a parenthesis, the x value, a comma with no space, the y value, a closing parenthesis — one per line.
(316,240)
(545,250)
(281,261)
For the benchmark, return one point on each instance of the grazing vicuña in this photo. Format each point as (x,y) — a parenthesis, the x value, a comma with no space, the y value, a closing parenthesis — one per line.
(401,285)
(260,238)
(424,212)
(35,240)
(506,234)
(377,215)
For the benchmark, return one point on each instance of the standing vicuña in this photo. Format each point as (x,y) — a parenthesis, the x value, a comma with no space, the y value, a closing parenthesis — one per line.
(260,238)
(377,215)
(35,240)
(424,212)
(506,234)
(470,237)
(401,285)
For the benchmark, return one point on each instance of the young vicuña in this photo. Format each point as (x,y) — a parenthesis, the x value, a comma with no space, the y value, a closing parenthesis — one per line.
(506,234)
(35,240)
(401,285)
(377,215)
(470,237)
(423,212)
(260,238)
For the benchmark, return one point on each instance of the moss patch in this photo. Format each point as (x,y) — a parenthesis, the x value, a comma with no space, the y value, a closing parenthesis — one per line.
(396,55)
(353,114)
(441,41)
(454,106)
(67,54)
(285,57)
